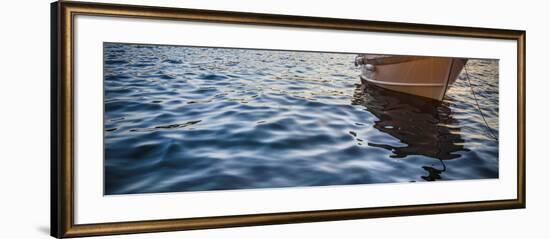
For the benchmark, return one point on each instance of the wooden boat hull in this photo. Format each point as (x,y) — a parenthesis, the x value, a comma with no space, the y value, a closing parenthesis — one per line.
(427,77)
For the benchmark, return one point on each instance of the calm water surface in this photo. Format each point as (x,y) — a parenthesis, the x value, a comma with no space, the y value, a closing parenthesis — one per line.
(192,119)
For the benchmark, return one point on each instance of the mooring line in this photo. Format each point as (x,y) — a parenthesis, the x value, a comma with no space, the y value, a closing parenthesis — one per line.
(490,130)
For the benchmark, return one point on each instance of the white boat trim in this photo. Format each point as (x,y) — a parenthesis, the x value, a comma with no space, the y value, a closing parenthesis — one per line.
(402,83)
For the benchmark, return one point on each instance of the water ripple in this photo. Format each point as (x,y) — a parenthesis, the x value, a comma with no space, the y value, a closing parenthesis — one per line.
(191,119)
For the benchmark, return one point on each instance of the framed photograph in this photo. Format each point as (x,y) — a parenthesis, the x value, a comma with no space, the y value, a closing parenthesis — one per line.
(170,119)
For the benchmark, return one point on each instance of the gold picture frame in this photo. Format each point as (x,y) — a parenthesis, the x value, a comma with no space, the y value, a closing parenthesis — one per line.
(62,128)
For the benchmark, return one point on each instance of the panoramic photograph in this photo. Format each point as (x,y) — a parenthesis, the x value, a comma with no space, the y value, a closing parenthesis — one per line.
(188,118)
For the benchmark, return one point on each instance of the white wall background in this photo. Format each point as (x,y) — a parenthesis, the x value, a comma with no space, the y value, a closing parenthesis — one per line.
(24,122)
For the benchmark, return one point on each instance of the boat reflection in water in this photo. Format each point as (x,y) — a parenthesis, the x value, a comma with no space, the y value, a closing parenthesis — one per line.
(424,127)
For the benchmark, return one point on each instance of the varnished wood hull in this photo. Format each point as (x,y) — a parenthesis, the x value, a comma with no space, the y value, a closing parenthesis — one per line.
(428,77)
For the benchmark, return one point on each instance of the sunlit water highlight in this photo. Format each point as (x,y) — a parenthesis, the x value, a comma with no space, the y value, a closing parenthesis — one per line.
(192,119)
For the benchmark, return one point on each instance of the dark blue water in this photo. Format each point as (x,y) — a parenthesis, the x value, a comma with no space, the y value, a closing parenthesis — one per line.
(192,119)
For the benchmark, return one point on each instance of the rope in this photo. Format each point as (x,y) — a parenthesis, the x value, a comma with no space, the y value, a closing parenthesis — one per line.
(489,129)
